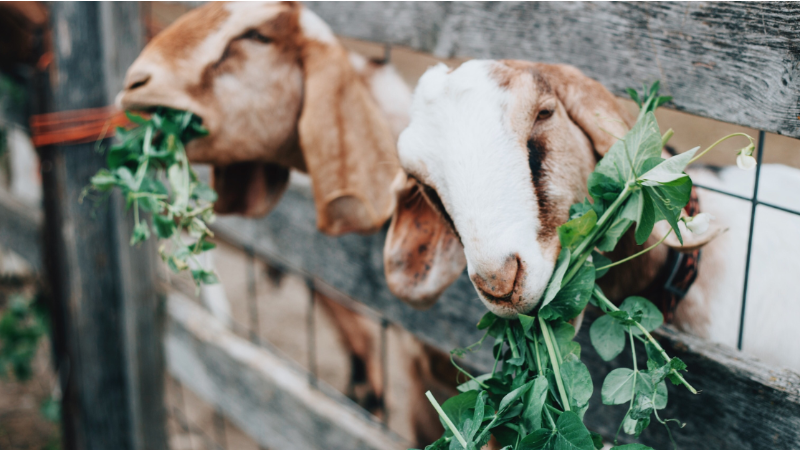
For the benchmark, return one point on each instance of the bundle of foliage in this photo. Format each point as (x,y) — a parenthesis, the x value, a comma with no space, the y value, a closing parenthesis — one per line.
(147,156)
(22,325)
(537,398)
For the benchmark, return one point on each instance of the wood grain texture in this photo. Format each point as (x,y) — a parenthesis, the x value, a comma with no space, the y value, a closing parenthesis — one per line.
(21,229)
(734,62)
(266,396)
(105,310)
(744,404)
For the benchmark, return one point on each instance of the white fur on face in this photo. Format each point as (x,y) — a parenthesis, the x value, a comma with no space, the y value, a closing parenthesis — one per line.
(461,143)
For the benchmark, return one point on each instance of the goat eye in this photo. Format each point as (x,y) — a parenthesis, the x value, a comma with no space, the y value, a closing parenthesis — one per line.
(256,36)
(544,114)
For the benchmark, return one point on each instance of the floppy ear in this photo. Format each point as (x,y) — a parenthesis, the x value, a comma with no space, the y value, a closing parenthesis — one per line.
(248,188)
(589,104)
(691,242)
(347,144)
(422,255)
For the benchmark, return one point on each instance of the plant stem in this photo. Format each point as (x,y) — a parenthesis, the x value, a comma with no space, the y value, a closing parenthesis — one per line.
(550,418)
(719,141)
(607,303)
(446,419)
(588,241)
(497,358)
(469,375)
(555,344)
(535,350)
(666,137)
(553,359)
(576,267)
(621,261)
(512,343)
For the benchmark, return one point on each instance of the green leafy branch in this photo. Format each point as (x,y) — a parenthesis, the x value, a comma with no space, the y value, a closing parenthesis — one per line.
(537,398)
(146,157)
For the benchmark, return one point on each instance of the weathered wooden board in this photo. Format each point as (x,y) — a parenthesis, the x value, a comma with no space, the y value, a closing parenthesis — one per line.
(21,229)
(744,404)
(735,62)
(266,396)
(105,309)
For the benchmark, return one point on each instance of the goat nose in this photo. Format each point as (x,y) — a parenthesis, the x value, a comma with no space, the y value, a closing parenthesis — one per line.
(500,284)
(137,80)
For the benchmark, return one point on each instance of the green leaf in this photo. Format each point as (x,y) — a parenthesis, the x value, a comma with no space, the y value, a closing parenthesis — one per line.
(534,402)
(670,200)
(652,385)
(473,385)
(597,440)
(103,180)
(625,159)
(487,320)
(579,209)
(603,187)
(599,260)
(562,264)
(513,396)
(613,234)
(571,233)
(163,225)
(646,217)
(634,96)
(203,192)
(670,170)
(526,322)
(651,315)
(632,447)
(459,408)
(204,277)
(538,440)
(572,434)
(141,233)
(572,298)
(618,386)
(608,337)
(577,382)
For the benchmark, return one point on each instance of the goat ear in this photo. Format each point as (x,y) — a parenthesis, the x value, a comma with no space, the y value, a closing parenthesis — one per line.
(422,256)
(691,242)
(249,188)
(347,144)
(589,104)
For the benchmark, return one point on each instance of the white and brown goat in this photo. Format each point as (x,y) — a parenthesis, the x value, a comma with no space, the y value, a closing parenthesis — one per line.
(497,151)
(277,91)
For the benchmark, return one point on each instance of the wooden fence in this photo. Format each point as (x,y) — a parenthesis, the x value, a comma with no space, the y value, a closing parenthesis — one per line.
(735,62)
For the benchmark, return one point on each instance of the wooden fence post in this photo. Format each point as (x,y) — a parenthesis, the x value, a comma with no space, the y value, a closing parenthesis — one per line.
(107,313)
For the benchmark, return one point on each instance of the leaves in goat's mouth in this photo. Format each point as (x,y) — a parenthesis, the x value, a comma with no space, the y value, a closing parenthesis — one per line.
(150,168)
(538,390)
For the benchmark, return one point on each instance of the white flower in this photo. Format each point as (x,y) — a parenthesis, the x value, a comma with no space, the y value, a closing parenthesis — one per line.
(745,162)
(699,223)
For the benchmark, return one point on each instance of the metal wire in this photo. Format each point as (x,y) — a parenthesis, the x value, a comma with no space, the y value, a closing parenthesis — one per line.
(761,135)
(311,333)
(252,299)
(385,370)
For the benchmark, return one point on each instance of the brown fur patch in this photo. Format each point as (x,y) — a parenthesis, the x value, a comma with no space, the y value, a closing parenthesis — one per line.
(189,31)
(284,32)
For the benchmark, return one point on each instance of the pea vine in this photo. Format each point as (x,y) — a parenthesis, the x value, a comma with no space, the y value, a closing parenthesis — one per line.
(537,398)
(147,155)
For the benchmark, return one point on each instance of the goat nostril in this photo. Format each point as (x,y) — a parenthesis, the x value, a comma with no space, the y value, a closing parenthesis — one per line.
(501,284)
(137,83)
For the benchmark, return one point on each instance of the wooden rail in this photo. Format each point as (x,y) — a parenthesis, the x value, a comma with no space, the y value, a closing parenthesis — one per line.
(266,396)
(734,62)
(744,403)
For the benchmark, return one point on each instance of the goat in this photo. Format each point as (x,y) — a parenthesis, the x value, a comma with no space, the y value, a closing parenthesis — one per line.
(497,151)
(277,91)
